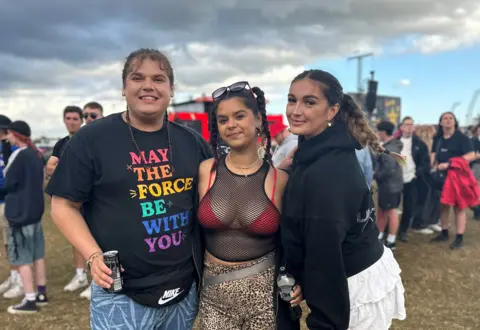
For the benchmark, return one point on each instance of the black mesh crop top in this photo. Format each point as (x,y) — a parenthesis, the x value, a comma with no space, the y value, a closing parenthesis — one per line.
(239,219)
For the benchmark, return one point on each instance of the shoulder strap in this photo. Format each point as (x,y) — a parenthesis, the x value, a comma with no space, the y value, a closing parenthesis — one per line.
(437,149)
(274,185)
(211,174)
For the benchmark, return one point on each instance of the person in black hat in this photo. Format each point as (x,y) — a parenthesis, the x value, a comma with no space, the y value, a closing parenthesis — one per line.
(12,287)
(24,206)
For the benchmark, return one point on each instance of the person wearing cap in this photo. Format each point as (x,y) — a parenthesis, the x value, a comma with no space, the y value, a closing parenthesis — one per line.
(286,142)
(24,206)
(12,287)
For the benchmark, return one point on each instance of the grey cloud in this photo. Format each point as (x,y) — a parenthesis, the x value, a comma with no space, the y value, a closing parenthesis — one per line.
(59,45)
(88,31)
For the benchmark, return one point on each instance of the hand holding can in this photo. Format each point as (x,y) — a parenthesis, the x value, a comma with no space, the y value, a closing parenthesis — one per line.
(101,273)
(106,271)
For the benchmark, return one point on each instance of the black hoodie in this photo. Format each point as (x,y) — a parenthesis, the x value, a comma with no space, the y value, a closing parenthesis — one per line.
(328,229)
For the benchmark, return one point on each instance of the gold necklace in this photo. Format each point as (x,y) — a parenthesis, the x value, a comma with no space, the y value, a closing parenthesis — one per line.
(240,167)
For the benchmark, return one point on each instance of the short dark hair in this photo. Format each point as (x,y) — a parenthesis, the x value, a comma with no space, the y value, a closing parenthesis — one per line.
(72,109)
(407,118)
(138,56)
(386,126)
(93,105)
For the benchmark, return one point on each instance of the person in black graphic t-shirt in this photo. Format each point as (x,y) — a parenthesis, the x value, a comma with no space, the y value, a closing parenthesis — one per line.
(138,172)
(447,144)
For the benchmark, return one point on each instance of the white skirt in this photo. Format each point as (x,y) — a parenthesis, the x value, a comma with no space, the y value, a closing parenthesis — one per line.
(377,295)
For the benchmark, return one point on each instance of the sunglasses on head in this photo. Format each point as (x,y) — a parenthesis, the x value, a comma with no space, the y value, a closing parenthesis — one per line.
(92,115)
(236,87)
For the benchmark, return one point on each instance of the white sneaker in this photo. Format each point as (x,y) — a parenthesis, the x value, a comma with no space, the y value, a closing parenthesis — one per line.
(435,228)
(7,284)
(76,283)
(15,291)
(423,231)
(87,293)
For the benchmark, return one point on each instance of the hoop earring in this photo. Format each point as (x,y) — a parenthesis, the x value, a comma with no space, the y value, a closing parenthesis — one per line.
(261,152)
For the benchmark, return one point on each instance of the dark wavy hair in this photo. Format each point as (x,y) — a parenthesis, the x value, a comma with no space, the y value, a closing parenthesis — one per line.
(256,105)
(440,128)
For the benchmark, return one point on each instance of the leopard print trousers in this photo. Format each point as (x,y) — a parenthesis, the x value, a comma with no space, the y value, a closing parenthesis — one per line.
(243,304)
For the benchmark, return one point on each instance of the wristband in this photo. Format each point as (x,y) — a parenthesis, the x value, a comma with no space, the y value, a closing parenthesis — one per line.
(91,258)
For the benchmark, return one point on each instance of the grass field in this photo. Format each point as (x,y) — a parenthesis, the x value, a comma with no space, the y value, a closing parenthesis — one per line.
(442,286)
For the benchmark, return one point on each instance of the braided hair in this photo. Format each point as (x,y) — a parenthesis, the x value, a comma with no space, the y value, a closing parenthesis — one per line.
(135,59)
(262,108)
(257,105)
(350,112)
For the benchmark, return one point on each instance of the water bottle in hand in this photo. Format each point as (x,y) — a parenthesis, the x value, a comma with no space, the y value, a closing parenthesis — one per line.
(286,285)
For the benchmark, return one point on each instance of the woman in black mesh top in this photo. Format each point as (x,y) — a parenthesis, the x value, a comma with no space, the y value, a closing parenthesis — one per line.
(240,198)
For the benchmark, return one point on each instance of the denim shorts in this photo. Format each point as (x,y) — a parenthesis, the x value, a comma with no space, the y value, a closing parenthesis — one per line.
(26,244)
(118,311)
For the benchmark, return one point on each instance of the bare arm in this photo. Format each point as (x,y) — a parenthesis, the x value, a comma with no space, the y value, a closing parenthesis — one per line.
(282,180)
(204,177)
(470,157)
(51,164)
(66,215)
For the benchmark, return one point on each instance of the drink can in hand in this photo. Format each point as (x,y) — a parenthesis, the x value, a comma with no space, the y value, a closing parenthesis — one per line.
(112,261)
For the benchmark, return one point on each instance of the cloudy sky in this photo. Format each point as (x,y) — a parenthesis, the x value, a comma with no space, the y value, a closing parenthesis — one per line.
(55,53)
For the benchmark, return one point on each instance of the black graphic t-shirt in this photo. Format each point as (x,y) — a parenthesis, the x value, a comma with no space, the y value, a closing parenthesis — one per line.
(139,203)
(60,146)
(456,146)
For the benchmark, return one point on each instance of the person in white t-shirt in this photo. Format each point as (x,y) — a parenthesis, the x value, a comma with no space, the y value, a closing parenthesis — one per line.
(286,142)
(415,173)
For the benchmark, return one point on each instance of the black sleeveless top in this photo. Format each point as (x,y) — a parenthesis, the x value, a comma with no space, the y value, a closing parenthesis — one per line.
(239,219)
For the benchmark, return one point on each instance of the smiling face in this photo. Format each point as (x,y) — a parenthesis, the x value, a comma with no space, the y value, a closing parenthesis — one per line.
(237,125)
(308,111)
(148,88)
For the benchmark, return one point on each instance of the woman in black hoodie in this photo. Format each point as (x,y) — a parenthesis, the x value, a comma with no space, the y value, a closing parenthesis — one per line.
(328,231)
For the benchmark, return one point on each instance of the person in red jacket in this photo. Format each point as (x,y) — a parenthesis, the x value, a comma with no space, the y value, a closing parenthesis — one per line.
(448,144)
